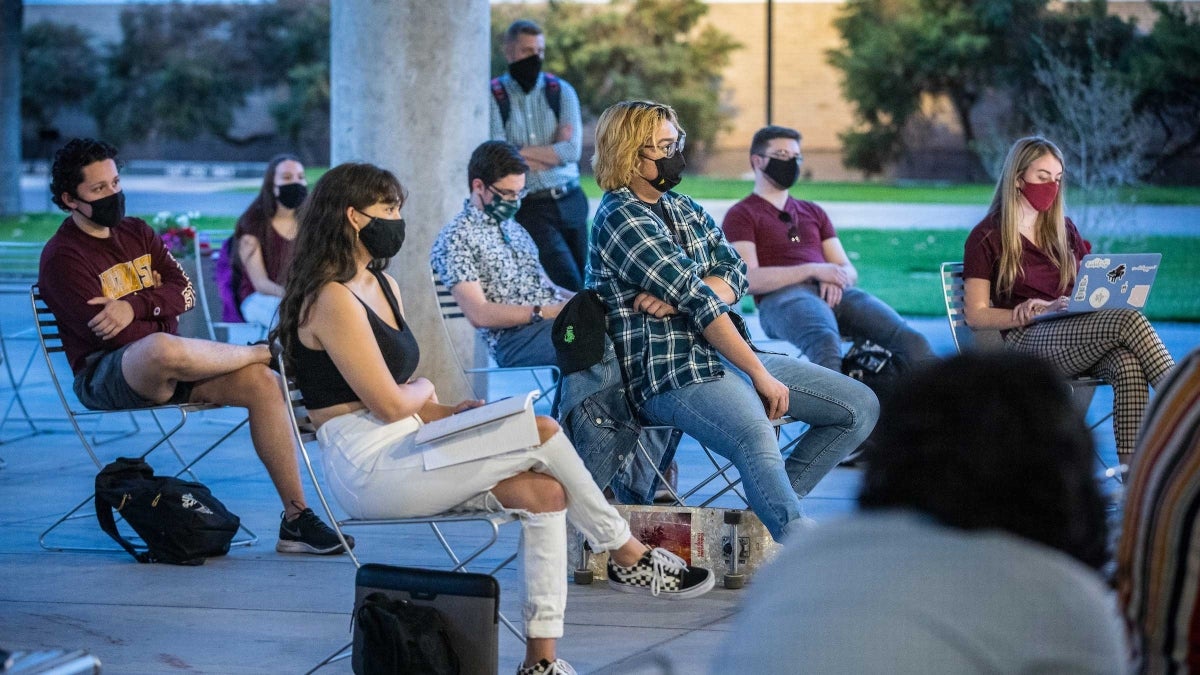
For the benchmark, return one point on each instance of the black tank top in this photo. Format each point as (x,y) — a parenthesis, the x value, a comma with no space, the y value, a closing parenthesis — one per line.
(321,382)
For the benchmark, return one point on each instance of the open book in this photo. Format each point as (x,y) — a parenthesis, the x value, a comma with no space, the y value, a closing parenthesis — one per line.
(492,429)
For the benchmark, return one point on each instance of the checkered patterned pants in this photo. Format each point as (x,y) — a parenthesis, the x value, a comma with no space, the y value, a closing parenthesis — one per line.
(1117,345)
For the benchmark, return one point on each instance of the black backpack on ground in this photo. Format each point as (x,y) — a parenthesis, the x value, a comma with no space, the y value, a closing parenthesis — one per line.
(400,637)
(181,523)
(872,365)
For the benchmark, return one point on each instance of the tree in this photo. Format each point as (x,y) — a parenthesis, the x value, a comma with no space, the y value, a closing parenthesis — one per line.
(173,74)
(1087,108)
(10,110)
(1168,69)
(896,51)
(184,70)
(60,69)
(648,49)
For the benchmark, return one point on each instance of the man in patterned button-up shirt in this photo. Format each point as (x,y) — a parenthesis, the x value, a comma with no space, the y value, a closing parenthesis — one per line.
(491,265)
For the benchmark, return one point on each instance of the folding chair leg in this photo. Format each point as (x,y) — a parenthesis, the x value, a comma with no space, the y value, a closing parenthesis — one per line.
(17,400)
(341,654)
(250,539)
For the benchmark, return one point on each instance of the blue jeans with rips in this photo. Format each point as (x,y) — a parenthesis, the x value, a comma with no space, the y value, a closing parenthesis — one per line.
(727,416)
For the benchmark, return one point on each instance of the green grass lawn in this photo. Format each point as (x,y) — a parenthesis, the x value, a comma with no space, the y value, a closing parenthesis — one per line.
(901,267)
(706,187)
(703,187)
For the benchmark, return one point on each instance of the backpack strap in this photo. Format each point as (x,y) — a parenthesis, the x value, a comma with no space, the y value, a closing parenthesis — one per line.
(502,101)
(105,517)
(552,91)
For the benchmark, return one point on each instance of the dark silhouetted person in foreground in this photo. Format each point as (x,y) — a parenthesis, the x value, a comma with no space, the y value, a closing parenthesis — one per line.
(975,550)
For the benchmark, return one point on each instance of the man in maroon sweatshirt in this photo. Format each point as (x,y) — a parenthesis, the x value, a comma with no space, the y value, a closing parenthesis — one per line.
(117,294)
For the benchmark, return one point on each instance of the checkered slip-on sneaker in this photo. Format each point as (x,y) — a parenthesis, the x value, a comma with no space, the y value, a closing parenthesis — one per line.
(662,574)
(544,667)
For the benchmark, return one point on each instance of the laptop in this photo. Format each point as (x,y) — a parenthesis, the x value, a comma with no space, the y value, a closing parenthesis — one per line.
(1110,281)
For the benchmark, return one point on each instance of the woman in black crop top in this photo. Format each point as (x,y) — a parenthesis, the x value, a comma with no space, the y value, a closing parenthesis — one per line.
(343,332)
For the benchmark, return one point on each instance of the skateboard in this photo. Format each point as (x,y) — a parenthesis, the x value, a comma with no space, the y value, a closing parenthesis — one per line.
(701,536)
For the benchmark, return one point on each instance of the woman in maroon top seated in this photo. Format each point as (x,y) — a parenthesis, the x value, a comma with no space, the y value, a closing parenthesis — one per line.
(265,236)
(1021,261)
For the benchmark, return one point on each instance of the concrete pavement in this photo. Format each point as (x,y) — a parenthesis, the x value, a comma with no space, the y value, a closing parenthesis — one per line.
(258,611)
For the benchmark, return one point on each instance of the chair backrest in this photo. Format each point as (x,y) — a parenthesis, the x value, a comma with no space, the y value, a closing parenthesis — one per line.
(447,305)
(48,335)
(954,293)
(208,294)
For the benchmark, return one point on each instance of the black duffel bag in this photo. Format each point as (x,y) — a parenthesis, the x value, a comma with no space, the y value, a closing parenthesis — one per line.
(182,523)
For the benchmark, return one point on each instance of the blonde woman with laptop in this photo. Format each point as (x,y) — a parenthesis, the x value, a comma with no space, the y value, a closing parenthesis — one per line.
(1022,260)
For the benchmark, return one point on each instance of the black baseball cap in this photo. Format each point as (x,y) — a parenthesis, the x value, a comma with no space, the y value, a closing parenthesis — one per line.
(578,332)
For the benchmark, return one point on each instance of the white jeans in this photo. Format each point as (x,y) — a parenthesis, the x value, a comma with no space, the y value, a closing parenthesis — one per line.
(375,470)
(261,309)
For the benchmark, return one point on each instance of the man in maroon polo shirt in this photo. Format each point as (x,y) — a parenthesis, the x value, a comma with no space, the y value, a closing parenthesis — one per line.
(801,278)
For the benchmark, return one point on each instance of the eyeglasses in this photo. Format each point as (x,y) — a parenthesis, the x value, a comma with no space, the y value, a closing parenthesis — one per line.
(792,233)
(668,148)
(508,195)
(782,156)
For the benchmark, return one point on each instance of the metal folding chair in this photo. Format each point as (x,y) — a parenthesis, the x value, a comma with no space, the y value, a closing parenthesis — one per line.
(18,270)
(451,312)
(51,342)
(967,338)
(724,469)
(304,432)
(208,295)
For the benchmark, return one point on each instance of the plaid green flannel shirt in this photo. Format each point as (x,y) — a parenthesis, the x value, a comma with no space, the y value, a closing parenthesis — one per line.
(632,251)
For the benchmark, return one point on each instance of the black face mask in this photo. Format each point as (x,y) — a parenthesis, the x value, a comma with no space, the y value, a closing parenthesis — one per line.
(526,71)
(670,172)
(292,194)
(782,172)
(106,211)
(382,237)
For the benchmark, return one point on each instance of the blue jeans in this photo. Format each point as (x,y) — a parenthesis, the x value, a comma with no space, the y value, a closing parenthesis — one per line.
(559,228)
(799,315)
(727,416)
(528,345)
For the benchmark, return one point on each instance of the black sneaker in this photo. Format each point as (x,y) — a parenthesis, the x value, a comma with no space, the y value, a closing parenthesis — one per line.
(306,533)
(662,574)
(544,667)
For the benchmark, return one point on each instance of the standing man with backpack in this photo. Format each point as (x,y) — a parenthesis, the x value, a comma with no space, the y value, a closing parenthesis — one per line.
(539,114)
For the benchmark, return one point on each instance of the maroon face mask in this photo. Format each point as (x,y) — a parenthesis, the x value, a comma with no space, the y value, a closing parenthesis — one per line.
(1040,195)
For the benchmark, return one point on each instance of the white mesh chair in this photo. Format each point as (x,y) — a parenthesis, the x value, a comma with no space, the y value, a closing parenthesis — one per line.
(546,378)
(208,295)
(967,338)
(304,433)
(48,334)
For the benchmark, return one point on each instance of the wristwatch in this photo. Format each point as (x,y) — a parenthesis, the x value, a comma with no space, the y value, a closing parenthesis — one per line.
(536,315)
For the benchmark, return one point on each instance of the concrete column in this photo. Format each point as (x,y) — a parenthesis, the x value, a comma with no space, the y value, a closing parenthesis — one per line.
(10,107)
(409,93)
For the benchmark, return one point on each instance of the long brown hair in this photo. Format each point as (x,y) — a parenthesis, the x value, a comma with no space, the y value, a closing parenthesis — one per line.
(325,240)
(256,219)
(1049,228)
